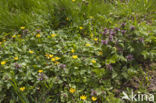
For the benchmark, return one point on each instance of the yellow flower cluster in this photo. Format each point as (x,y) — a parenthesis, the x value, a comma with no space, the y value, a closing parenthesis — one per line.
(82,97)
(49,56)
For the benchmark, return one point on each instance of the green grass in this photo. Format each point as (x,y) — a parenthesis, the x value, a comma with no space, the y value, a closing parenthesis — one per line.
(53,13)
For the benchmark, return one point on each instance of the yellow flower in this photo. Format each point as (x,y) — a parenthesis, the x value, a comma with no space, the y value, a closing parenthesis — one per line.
(95,39)
(14,36)
(87,45)
(74,56)
(83,97)
(100,53)
(31,52)
(0,43)
(73,0)
(57,58)
(91,17)
(15,58)
(47,55)
(72,50)
(53,35)
(19,35)
(67,18)
(93,61)
(81,27)
(40,71)
(91,35)
(3,62)
(50,55)
(22,27)
(4,40)
(94,98)
(72,90)
(22,89)
(38,35)
(53,59)
(57,62)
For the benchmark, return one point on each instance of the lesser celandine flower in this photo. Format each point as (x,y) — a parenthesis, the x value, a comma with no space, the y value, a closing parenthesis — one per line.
(15,58)
(53,35)
(57,58)
(19,35)
(95,39)
(0,43)
(72,50)
(22,27)
(87,45)
(67,18)
(93,61)
(22,89)
(74,56)
(53,59)
(38,35)
(31,52)
(50,55)
(14,36)
(81,27)
(73,0)
(3,62)
(94,98)
(91,17)
(91,35)
(100,53)
(72,90)
(40,71)
(83,97)
(56,63)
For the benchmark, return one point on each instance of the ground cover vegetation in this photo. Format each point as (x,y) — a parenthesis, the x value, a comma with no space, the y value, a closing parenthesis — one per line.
(76,51)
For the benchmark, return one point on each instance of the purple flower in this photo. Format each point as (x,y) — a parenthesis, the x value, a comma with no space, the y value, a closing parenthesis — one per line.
(111,32)
(132,28)
(93,92)
(62,65)
(117,29)
(38,30)
(141,40)
(41,76)
(123,31)
(17,66)
(105,31)
(110,37)
(104,42)
(123,25)
(129,57)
